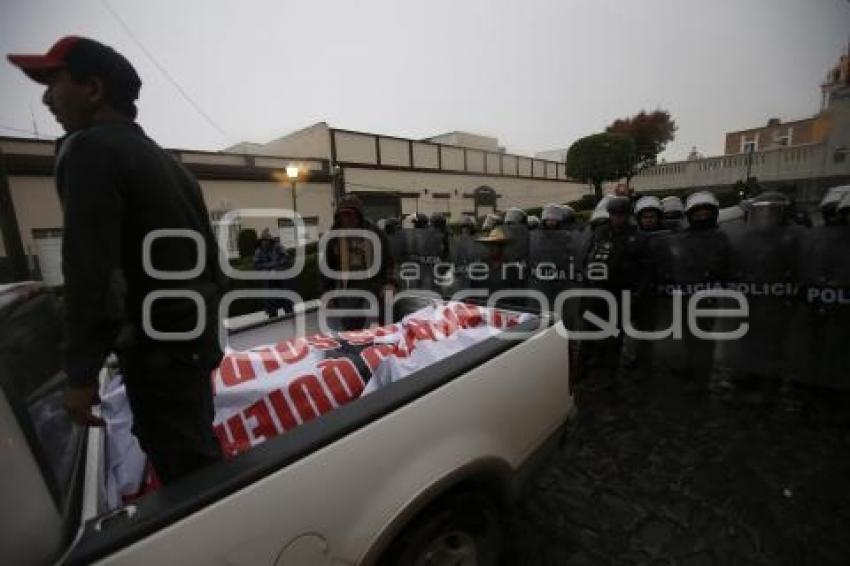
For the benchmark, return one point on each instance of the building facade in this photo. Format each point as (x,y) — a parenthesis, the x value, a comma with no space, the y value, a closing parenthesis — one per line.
(393,176)
(804,156)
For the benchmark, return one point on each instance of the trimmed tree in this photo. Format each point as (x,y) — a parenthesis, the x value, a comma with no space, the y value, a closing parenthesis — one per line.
(651,132)
(599,158)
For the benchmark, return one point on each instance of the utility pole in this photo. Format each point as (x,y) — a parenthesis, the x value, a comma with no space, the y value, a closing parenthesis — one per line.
(9,225)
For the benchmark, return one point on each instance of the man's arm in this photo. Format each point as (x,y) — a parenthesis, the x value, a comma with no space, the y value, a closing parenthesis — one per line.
(91,258)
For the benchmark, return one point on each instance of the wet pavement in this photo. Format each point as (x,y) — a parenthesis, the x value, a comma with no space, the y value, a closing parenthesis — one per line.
(660,472)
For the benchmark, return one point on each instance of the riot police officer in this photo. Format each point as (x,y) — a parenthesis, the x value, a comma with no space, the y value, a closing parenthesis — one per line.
(650,253)
(552,251)
(533,222)
(515,254)
(569,222)
(441,231)
(465,250)
(395,241)
(414,228)
(649,213)
(674,213)
(698,260)
(490,222)
(819,349)
(612,251)
(762,268)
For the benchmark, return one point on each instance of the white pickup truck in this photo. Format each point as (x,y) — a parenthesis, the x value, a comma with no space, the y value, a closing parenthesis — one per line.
(414,473)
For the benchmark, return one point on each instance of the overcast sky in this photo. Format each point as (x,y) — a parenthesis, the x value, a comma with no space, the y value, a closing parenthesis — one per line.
(536,74)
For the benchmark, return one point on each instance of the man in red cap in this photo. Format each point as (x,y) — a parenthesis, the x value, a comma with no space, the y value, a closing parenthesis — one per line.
(117,186)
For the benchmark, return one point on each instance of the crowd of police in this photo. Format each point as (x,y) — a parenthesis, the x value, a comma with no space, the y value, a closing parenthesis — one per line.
(646,259)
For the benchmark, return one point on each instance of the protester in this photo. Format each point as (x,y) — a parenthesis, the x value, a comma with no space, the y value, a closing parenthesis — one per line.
(348,254)
(117,186)
(271,256)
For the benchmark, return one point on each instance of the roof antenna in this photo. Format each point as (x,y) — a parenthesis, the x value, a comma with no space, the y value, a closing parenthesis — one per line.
(34,124)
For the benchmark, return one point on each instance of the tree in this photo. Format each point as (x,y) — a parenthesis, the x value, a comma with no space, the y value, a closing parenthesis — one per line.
(599,158)
(651,132)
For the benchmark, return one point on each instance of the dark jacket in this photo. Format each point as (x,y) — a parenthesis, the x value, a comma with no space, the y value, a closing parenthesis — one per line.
(116,186)
(273,258)
(334,261)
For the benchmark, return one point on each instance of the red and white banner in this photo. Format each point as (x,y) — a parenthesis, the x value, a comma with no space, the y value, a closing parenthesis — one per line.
(271,389)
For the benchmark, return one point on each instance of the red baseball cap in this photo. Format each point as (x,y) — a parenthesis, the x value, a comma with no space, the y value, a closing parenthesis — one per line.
(83,56)
(37,66)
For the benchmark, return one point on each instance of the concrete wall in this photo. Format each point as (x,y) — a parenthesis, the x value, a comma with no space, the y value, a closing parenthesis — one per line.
(37,205)
(313,141)
(466,139)
(363,149)
(314,200)
(524,193)
(811,168)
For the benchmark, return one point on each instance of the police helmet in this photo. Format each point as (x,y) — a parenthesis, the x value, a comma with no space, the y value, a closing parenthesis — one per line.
(702,200)
(468,223)
(552,216)
(533,222)
(619,204)
(830,202)
(569,215)
(599,216)
(672,207)
(516,216)
(844,204)
(648,203)
(420,220)
(391,225)
(438,221)
(490,222)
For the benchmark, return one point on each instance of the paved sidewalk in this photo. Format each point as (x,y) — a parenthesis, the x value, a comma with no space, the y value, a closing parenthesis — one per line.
(663,474)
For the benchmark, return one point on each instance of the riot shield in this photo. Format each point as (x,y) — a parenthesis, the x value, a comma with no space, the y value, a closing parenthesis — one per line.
(818,336)
(515,259)
(411,254)
(551,262)
(397,250)
(695,260)
(429,244)
(465,250)
(762,268)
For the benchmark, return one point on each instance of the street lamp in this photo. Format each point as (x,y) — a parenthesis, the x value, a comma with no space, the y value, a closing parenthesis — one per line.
(292,175)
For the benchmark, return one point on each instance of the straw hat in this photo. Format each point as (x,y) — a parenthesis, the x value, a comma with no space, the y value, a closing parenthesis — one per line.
(496,236)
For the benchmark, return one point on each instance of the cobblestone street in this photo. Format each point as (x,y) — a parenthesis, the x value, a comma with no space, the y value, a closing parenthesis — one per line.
(657,473)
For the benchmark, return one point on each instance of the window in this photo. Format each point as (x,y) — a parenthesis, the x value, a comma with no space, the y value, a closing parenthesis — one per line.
(783,139)
(287,231)
(232,230)
(840,155)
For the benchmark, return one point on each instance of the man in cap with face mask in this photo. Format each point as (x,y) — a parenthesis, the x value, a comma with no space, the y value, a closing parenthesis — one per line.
(117,187)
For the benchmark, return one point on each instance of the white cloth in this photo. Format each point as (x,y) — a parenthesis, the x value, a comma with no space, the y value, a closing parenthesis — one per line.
(267,390)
